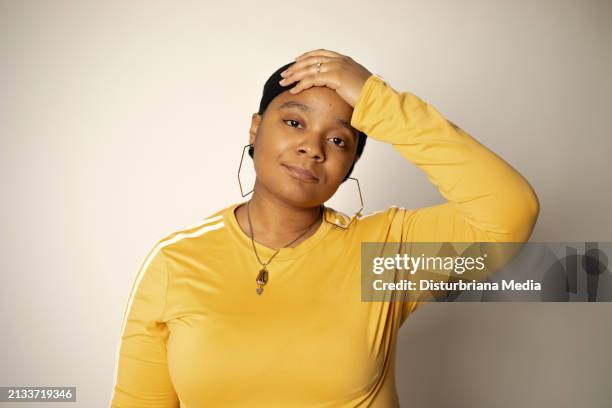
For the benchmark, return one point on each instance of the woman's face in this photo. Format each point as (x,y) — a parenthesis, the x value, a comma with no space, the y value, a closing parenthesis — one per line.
(310,130)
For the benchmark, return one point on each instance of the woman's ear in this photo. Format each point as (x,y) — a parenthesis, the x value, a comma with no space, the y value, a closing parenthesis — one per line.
(255,121)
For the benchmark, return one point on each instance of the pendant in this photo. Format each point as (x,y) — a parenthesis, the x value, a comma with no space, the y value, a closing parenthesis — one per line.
(262,279)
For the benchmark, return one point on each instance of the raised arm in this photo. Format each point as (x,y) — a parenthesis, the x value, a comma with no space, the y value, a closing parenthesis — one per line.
(487,199)
(142,378)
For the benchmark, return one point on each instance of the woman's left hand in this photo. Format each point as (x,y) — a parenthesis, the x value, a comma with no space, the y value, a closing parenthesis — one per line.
(338,72)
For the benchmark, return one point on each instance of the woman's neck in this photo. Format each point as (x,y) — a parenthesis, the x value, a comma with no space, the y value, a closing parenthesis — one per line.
(276,223)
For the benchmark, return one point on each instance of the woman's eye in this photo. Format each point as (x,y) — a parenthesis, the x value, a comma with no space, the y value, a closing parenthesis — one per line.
(343,143)
(291,120)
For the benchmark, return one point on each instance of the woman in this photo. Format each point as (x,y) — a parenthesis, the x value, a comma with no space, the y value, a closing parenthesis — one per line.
(259,305)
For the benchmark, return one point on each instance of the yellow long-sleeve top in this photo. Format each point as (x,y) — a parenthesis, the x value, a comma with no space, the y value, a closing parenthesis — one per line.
(195,332)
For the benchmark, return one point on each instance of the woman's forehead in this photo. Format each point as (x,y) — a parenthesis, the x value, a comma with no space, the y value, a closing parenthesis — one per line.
(315,100)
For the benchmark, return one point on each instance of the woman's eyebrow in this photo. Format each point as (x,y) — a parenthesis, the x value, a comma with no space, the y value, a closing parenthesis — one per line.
(306,108)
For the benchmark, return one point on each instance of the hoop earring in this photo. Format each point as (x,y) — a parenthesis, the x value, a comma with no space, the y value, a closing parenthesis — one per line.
(358,213)
(239,167)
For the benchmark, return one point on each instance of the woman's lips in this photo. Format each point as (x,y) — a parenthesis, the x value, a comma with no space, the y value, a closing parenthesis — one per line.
(301,174)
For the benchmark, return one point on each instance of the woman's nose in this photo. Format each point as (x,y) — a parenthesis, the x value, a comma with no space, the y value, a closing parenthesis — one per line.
(312,143)
(312,147)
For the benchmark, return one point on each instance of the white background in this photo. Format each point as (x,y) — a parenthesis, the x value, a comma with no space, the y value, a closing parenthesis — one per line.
(122,121)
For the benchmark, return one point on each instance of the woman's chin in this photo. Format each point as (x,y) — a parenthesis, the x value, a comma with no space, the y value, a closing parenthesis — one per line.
(300,197)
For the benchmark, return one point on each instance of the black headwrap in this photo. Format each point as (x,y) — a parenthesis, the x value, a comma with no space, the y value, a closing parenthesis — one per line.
(272,89)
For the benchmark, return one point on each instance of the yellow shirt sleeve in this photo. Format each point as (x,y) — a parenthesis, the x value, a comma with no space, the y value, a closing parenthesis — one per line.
(487,199)
(142,378)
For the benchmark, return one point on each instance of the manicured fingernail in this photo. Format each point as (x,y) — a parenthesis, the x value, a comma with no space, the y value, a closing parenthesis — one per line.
(283,73)
(281,81)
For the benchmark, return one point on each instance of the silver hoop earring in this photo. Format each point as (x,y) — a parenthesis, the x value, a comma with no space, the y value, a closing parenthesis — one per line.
(239,167)
(358,213)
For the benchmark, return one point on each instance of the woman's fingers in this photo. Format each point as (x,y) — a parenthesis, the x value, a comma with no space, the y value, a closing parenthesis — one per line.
(305,68)
(305,63)
(336,71)
(312,80)
(311,57)
(309,77)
